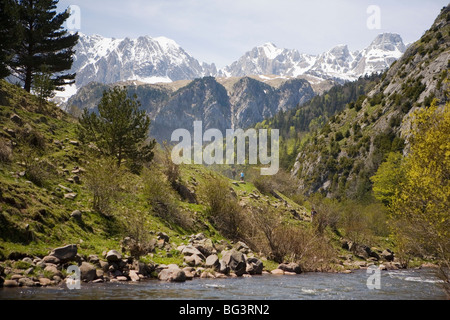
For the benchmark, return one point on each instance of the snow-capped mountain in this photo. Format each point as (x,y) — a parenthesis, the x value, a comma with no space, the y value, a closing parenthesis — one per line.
(382,52)
(152,60)
(146,59)
(270,60)
(339,63)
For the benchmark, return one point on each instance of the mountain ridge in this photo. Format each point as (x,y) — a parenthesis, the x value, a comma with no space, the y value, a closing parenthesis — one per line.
(220,104)
(160,59)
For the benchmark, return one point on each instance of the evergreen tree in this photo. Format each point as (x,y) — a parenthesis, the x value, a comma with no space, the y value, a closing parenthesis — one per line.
(9,36)
(43,86)
(44,42)
(120,130)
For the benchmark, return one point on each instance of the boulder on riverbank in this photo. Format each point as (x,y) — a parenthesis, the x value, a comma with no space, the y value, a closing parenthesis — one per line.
(64,254)
(235,260)
(172,274)
(290,267)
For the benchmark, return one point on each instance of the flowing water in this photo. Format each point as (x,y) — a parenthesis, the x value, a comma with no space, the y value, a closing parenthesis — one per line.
(419,284)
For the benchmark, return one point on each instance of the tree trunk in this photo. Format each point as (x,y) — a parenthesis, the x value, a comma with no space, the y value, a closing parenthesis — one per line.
(28,79)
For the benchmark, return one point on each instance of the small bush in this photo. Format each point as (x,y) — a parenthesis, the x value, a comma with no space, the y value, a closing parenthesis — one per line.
(162,197)
(103,179)
(40,172)
(282,242)
(224,211)
(263,184)
(30,137)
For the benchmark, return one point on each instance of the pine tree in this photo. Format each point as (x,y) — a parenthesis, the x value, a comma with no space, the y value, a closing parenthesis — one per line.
(44,42)
(43,86)
(120,129)
(9,36)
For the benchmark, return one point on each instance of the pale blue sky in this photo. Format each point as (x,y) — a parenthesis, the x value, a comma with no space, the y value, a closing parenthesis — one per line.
(220,31)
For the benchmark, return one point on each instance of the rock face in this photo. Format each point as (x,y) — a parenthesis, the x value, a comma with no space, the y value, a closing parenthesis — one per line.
(67,253)
(152,60)
(109,60)
(338,63)
(391,104)
(77,214)
(234,105)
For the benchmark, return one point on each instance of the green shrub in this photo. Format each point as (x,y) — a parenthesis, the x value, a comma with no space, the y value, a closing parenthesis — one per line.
(223,210)
(103,179)
(162,198)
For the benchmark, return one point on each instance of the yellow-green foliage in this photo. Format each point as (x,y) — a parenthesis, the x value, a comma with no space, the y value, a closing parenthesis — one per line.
(386,181)
(420,211)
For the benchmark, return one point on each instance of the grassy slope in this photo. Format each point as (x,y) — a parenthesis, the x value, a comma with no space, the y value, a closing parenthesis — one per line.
(34,219)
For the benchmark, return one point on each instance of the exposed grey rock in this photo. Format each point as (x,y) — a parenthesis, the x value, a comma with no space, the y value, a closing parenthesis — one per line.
(70,196)
(16,119)
(113,256)
(193,260)
(134,276)
(387,255)
(254,266)
(223,267)
(28,260)
(290,267)
(163,236)
(191,250)
(242,247)
(235,260)
(10,284)
(53,270)
(93,258)
(66,253)
(172,275)
(45,281)
(77,214)
(50,259)
(26,282)
(205,246)
(212,262)
(88,272)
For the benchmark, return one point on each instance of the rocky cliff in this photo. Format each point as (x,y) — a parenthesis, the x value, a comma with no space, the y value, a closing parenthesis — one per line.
(238,105)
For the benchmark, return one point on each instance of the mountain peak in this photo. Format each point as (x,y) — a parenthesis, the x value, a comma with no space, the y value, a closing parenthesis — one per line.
(388,42)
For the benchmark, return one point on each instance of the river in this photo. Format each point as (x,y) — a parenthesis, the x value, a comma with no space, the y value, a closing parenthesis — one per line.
(420,284)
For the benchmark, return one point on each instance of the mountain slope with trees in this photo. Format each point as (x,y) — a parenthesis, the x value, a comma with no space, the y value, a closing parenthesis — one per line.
(339,158)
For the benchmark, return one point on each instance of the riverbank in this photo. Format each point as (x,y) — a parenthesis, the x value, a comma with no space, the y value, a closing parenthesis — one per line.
(198,257)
